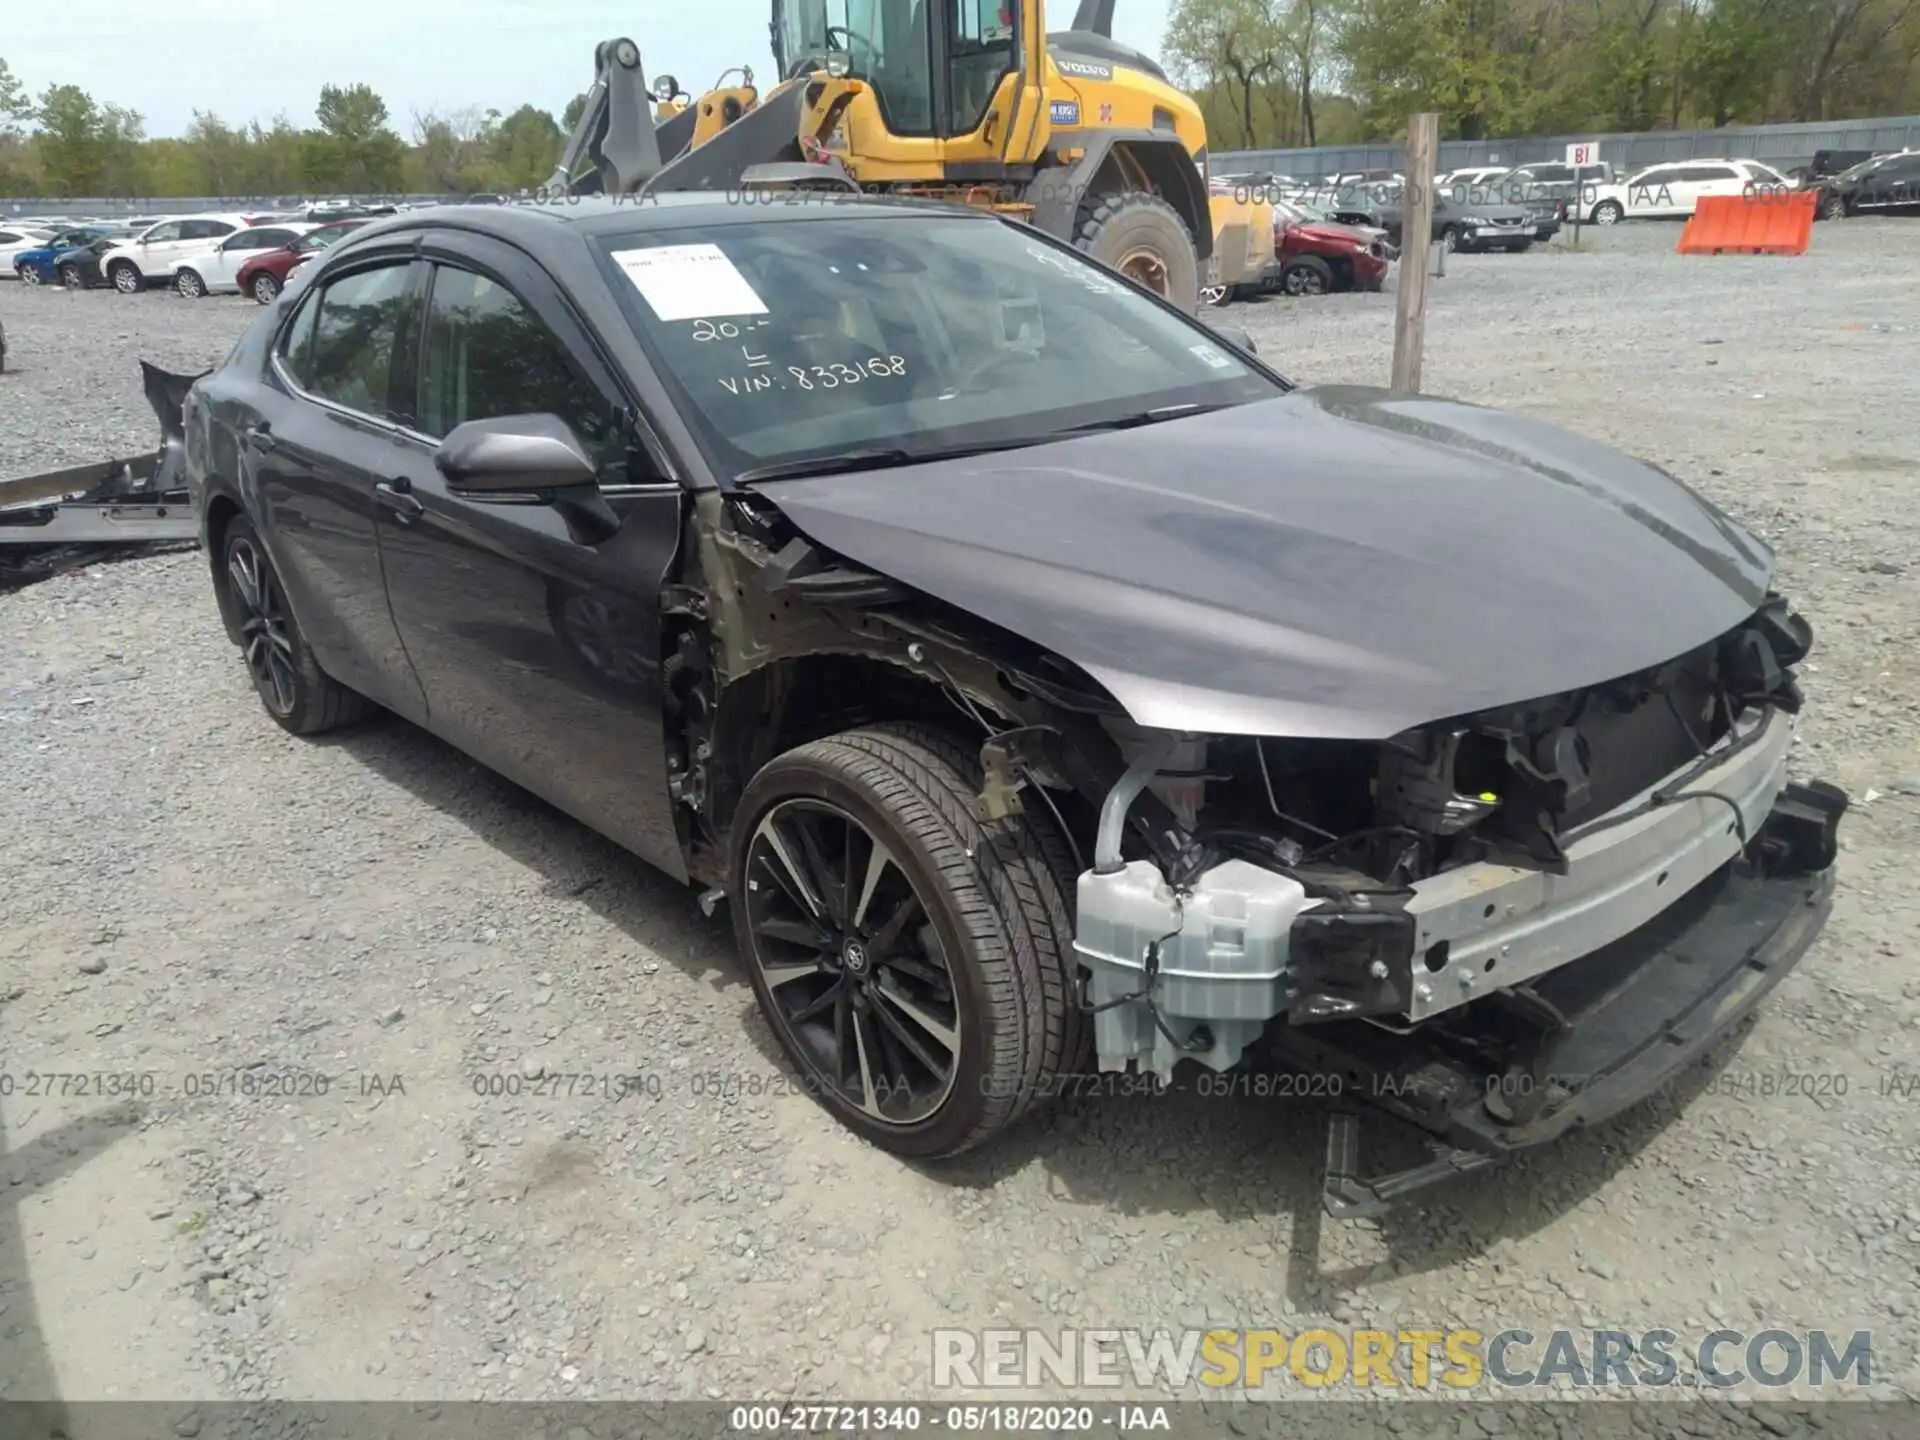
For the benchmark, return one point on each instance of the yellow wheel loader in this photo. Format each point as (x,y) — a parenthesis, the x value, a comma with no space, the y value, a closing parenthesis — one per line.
(973,100)
(681,122)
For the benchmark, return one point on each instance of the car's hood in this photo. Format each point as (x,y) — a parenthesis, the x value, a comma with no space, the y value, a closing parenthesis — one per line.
(1332,562)
(1494,210)
(1332,232)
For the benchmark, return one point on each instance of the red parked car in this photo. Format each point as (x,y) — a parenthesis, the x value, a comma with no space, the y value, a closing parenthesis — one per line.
(1317,255)
(265,275)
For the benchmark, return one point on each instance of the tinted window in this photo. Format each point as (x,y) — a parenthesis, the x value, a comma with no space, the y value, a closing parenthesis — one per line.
(487,355)
(355,333)
(793,339)
(296,341)
(1701,174)
(168,231)
(9,237)
(321,239)
(266,238)
(1549,172)
(205,229)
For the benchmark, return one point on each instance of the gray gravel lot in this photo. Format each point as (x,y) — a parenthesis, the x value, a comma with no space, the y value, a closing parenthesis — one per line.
(189,895)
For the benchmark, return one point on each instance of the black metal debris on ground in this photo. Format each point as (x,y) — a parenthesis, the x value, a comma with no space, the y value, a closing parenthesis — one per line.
(85,514)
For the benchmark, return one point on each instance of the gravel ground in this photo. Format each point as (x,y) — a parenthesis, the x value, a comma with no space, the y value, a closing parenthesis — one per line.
(188,895)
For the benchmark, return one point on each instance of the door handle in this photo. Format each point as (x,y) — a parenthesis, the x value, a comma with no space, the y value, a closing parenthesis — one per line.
(260,437)
(397,496)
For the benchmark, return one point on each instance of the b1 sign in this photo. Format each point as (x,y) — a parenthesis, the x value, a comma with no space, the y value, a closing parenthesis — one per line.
(1585,153)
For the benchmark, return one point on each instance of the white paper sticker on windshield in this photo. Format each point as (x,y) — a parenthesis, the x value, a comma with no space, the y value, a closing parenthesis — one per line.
(1212,356)
(689,282)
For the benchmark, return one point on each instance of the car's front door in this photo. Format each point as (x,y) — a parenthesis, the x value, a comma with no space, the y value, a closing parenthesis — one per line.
(321,441)
(540,655)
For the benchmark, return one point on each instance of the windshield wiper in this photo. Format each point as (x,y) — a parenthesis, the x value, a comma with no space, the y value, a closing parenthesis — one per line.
(877,457)
(1145,417)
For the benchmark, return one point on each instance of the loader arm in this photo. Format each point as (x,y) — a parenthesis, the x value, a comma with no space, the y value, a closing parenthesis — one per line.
(613,149)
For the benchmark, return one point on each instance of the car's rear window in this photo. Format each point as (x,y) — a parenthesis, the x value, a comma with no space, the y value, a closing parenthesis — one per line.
(795,337)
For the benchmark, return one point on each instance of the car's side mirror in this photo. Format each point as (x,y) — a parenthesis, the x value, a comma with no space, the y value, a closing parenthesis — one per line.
(528,460)
(1232,334)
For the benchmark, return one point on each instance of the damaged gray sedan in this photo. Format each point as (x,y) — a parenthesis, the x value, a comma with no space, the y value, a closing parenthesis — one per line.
(1048,687)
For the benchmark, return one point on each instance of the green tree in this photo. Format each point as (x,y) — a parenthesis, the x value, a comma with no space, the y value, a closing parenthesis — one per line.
(576,107)
(526,147)
(354,149)
(71,141)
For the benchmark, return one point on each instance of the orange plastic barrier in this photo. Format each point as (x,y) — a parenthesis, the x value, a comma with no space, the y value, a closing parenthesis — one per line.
(1761,223)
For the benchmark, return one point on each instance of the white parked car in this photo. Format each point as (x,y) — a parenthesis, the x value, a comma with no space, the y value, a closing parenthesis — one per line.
(16,238)
(150,256)
(213,269)
(1670,191)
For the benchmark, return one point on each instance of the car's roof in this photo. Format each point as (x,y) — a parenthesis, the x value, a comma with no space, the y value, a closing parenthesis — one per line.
(547,230)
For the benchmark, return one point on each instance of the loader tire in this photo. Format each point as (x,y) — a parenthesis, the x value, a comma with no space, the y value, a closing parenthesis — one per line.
(301,697)
(1144,238)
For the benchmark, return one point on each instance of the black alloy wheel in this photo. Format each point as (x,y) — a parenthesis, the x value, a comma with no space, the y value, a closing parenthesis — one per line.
(300,696)
(914,962)
(846,947)
(266,639)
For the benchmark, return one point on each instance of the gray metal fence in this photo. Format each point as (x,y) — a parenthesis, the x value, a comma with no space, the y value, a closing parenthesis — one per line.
(1783,146)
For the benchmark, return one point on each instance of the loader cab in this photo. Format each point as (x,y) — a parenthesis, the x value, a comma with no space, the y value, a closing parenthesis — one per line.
(934,65)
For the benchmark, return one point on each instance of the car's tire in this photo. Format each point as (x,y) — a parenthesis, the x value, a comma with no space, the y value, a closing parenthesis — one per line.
(1609,212)
(1450,240)
(980,1022)
(125,277)
(1306,275)
(264,288)
(29,274)
(1144,238)
(188,285)
(301,697)
(70,276)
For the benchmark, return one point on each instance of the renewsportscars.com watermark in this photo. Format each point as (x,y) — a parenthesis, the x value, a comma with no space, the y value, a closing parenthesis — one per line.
(1459,1359)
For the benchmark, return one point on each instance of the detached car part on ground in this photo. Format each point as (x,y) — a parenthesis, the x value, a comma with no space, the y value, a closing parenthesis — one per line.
(64,518)
(1043,684)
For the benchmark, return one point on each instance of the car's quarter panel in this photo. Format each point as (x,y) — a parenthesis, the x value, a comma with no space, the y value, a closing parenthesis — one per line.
(540,655)
(310,488)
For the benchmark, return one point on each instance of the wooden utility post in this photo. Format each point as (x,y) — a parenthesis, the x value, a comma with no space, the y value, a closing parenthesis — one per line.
(1416,249)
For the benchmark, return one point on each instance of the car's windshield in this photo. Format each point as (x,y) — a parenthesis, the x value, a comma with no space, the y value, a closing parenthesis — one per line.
(804,337)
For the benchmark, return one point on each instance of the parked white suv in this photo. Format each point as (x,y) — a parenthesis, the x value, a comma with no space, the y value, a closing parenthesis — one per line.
(214,269)
(149,258)
(1670,191)
(16,238)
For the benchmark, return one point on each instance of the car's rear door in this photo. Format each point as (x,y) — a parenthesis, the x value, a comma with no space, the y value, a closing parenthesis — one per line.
(1654,193)
(323,437)
(540,655)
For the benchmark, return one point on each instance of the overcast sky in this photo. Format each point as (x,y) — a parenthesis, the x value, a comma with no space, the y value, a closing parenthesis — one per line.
(247,61)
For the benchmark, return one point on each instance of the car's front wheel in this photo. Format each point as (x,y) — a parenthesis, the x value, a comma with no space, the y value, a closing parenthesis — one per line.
(300,696)
(29,274)
(1306,275)
(914,962)
(126,278)
(265,288)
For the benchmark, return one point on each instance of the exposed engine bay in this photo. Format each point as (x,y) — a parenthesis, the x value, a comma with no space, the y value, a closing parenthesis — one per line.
(1491,925)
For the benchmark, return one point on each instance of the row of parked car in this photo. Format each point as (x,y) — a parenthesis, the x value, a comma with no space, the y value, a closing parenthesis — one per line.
(1846,182)
(195,255)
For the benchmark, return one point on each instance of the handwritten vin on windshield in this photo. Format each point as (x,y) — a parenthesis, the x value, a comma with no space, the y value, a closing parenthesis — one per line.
(761,372)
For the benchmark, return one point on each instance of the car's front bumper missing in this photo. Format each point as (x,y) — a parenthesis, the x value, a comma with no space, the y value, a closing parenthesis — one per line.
(1611,1028)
